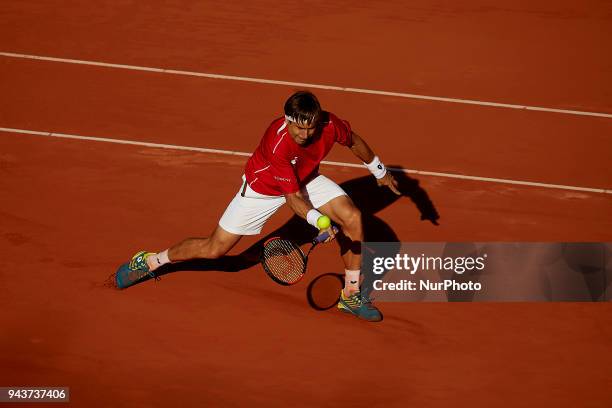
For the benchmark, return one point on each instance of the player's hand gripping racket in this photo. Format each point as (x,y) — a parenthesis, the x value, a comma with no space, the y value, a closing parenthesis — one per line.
(284,261)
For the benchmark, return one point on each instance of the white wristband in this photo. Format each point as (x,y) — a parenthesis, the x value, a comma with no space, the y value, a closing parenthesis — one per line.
(312,217)
(376,168)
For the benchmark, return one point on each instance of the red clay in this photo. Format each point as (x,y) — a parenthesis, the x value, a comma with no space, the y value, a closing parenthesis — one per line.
(474,140)
(70,211)
(549,52)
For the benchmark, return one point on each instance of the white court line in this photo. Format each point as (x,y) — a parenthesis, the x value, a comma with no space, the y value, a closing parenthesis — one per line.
(330,163)
(306,85)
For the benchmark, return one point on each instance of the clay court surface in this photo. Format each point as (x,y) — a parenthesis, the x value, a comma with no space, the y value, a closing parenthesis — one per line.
(72,210)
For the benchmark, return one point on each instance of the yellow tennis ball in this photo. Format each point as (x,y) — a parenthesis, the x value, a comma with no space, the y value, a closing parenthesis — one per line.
(323,222)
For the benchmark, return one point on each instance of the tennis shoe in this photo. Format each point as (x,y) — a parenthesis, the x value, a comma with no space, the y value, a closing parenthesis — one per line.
(359,305)
(133,271)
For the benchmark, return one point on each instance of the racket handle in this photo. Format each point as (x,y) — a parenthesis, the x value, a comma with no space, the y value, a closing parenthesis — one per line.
(320,238)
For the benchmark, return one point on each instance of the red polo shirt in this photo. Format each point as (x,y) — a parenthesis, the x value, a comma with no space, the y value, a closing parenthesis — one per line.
(280,166)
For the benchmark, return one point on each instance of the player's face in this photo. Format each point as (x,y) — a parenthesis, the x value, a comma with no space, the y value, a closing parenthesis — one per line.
(301,133)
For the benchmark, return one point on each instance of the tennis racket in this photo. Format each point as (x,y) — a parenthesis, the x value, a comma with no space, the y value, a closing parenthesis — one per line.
(284,261)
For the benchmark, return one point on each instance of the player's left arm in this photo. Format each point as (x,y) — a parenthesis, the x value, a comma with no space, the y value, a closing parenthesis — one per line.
(363,152)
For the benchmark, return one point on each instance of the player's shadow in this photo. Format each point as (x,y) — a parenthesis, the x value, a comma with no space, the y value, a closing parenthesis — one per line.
(367,196)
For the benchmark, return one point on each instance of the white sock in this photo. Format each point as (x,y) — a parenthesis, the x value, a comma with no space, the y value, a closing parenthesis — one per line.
(157,260)
(351,280)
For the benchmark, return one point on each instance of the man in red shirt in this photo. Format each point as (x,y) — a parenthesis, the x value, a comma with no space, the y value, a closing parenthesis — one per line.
(285,169)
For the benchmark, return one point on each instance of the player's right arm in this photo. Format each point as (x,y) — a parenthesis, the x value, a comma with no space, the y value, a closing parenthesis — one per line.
(304,210)
(297,203)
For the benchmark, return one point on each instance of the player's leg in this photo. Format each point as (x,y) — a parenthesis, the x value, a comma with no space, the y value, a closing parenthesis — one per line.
(145,263)
(330,199)
(245,215)
(213,247)
(343,212)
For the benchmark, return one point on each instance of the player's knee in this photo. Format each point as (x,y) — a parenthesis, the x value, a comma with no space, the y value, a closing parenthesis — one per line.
(352,220)
(205,249)
(216,252)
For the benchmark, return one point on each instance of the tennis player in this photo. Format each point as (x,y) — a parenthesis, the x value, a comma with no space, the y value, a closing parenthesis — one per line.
(285,169)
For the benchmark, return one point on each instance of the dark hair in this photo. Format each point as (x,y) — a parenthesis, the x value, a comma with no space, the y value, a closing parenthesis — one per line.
(304,107)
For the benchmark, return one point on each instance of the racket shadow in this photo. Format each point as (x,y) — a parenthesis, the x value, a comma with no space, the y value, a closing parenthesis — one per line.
(323,292)
(367,196)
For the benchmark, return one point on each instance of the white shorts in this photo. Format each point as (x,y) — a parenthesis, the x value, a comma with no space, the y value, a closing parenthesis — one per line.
(246,215)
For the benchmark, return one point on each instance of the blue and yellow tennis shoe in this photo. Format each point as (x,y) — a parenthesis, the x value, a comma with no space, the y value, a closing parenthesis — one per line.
(359,305)
(134,271)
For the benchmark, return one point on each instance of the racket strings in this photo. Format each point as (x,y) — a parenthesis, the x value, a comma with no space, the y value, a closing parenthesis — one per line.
(284,260)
